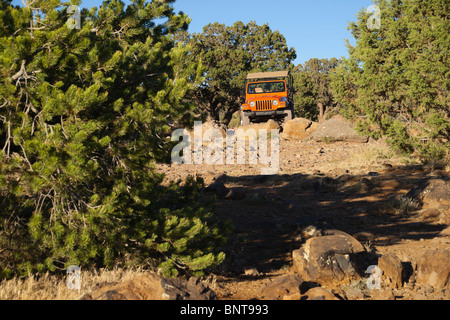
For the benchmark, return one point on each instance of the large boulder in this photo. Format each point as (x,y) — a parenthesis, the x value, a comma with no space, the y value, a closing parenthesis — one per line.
(433,268)
(328,259)
(335,130)
(284,286)
(437,195)
(218,188)
(152,287)
(298,129)
(434,195)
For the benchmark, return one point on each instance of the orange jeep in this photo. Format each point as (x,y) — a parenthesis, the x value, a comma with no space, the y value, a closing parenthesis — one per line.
(268,95)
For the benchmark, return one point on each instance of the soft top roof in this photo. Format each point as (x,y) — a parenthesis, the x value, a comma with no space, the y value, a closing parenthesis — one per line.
(267,75)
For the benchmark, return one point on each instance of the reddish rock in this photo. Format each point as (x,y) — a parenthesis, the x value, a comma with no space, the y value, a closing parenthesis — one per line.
(153,287)
(328,259)
(298,129)
(393,270)
(437,195)
(433,269)
(319,294)
(337,130)
(285,286)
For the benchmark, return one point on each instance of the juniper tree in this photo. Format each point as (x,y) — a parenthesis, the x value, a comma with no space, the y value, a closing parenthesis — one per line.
(83,115)
(396,79)
(314,98)
(228,53)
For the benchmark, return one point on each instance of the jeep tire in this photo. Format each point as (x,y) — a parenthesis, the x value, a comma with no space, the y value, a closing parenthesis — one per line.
(289,115)
(245,120)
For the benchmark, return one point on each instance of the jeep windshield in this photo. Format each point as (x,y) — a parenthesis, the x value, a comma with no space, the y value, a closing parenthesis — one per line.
(266,87)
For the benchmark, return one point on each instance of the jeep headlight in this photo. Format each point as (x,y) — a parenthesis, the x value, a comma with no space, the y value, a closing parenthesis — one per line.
(275,103)
(252,104)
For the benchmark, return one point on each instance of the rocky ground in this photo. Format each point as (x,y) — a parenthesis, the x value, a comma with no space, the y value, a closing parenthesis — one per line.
(387,211)
(338,205)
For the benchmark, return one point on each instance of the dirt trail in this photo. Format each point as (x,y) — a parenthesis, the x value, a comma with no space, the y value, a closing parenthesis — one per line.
(344,186)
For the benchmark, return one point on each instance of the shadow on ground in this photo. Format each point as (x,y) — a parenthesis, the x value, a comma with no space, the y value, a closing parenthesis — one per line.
(269,212)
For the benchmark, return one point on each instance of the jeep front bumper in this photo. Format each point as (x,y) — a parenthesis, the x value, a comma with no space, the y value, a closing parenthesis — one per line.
(279,112)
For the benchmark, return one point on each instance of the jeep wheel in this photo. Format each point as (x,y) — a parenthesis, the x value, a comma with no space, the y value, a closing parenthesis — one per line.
(289,115)
(245,120)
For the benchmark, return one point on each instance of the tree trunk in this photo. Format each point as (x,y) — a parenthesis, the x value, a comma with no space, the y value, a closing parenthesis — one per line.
(229,115)
(323,112)
(213,114)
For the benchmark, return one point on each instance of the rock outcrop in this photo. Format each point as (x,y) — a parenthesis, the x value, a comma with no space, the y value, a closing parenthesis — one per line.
(152,287)
(433,269)
(393,270)
(335,130)
(328,259)
(287,287)
(298,129)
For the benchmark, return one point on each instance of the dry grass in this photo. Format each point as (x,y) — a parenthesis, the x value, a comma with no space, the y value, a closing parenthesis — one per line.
(404,206)
(51,287)
(373,154)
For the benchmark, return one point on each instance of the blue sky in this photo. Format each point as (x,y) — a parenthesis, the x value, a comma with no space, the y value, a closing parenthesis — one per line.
(315,28)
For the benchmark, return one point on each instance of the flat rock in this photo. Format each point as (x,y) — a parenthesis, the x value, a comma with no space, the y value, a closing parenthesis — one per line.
(252,131)
(218,188)
(383,295)
(153,287)
(430,215)
(437,195)
(335,130)
(289,286)
(319,294)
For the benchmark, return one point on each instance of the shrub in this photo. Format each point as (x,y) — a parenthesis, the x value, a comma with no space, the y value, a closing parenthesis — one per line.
(395,81)
(83,115)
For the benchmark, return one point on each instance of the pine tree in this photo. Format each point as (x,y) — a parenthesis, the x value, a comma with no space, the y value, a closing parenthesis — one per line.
(396,78)
(83,115)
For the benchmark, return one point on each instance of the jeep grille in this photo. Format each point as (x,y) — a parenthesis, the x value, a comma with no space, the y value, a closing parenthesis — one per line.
(263,105)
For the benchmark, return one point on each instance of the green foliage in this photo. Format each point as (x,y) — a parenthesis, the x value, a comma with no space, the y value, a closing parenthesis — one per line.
(83,117)
(228,54)
(398,136)
(305,96)
(396,79)
(314,96)
(235,120)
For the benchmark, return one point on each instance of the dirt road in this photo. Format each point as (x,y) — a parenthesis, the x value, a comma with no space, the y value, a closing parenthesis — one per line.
(355,188)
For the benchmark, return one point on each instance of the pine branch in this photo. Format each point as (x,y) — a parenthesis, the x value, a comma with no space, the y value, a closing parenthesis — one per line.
(20,73)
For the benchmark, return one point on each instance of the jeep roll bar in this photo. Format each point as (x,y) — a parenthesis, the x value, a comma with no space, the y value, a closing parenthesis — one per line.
(286,75)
